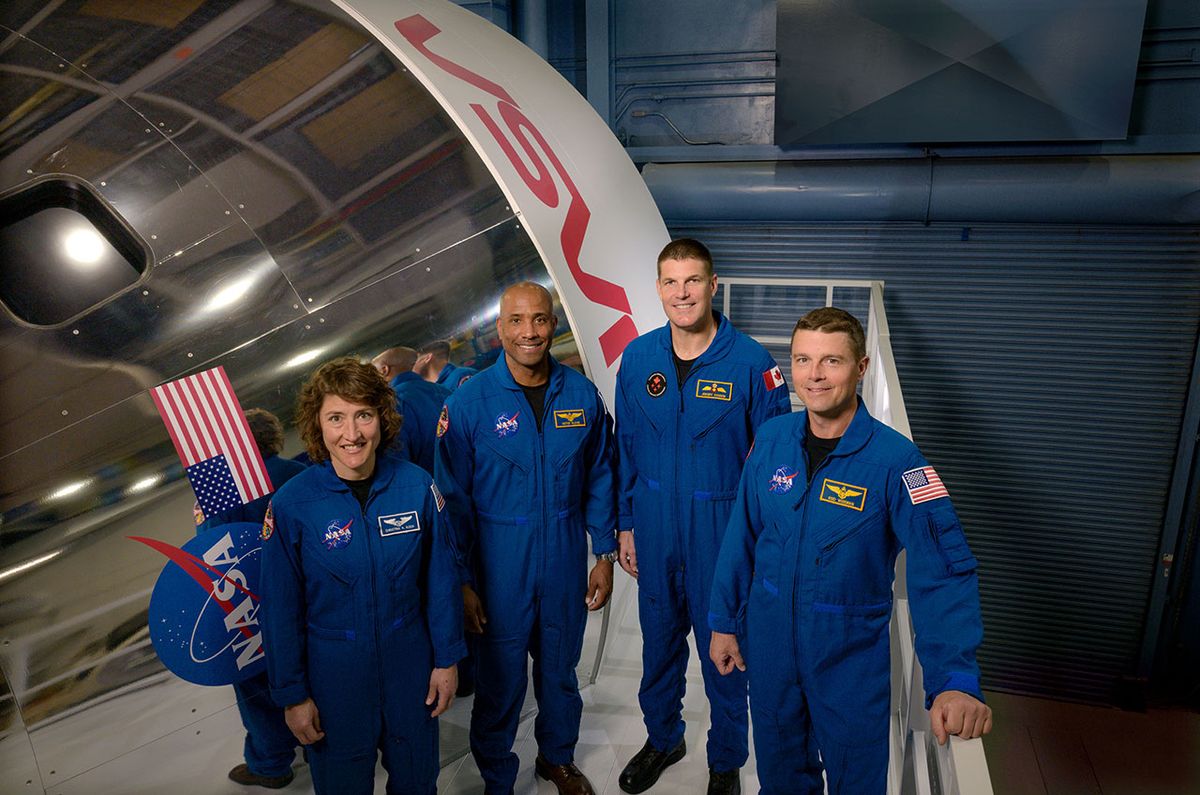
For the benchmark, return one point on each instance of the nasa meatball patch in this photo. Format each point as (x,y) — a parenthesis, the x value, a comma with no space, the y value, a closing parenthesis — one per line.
(203,617)
(337,535)
(507,424)
(781,480)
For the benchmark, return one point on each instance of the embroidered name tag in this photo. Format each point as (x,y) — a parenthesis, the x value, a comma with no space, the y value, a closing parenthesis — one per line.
(843,494)
(399,523)
(570,418)
(714,390)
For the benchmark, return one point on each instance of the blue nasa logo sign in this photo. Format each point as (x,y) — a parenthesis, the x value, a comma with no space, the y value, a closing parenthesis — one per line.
(204,607)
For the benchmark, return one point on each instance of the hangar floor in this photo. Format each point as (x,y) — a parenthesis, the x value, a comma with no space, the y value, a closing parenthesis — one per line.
(1038,747)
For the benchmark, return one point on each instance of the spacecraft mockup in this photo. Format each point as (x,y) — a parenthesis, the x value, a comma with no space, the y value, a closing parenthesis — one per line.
(260,185)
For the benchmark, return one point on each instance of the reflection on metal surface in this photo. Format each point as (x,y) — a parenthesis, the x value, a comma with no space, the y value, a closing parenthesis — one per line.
(299,193)
(302,197)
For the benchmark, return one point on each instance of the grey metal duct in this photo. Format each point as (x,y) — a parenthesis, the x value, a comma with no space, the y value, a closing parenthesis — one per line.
(1095,190)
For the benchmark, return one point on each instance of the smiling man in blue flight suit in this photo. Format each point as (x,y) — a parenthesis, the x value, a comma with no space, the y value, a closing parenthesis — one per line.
(418,401)
(524,456)
(690,396)
(827,500)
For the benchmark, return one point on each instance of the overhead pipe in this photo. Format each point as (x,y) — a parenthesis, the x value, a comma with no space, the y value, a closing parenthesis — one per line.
(1146,189)
(533,26)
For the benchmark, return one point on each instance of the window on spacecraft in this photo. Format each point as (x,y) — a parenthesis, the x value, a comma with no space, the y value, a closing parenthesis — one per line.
(63,251)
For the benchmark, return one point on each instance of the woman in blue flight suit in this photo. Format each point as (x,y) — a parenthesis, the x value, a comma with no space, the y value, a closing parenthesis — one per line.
(362,609)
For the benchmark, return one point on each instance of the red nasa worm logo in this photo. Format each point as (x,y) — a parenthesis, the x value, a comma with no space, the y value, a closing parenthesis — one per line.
(418,30)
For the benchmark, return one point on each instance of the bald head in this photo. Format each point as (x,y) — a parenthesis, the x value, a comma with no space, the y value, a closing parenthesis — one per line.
(526,329)
(394,361)
(527,292)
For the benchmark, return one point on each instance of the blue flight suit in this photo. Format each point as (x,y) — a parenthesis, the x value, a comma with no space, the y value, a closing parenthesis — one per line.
(805,581)
(523,503)
(452,376)
(420,403)
(270,746)
(359,607)
(681,452)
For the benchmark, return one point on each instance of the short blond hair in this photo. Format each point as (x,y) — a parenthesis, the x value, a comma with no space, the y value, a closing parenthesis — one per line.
(832,320)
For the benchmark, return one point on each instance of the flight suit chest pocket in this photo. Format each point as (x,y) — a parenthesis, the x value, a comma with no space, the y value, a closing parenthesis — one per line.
(330,549)
(655,407)
(564,441)
(331,558)
(502,466)
(400,537)
(707,403)
(840,510)
(851,557)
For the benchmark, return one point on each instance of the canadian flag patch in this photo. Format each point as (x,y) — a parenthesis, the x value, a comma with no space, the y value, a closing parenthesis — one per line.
(773,378)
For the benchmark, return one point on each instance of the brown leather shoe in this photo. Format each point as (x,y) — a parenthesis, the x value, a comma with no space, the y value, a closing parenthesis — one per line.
(568,778)
(242,774)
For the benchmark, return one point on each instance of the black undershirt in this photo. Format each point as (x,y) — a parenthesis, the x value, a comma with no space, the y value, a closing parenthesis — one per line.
(817,449)
(682,366)
(361,489)
(536,395)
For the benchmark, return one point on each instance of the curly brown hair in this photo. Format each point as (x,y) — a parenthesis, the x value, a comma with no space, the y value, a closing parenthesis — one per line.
(267,431)
(352,380)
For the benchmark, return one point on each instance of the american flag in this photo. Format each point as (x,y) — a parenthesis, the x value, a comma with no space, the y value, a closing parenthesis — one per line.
(923,484)
(212,439)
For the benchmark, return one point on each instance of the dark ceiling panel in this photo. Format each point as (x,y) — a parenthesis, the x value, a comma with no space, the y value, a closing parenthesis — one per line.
(938,71)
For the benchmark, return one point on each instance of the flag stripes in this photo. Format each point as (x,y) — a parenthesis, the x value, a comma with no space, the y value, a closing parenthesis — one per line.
(204,420)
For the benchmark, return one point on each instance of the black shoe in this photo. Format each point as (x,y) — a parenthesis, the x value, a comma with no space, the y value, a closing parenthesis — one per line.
(647,765)
(243,775)
(729,783)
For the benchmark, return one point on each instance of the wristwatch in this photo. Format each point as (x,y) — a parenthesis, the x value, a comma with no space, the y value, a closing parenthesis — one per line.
(609,556)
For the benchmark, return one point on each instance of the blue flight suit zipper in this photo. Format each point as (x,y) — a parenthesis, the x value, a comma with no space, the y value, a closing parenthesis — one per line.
(373,604)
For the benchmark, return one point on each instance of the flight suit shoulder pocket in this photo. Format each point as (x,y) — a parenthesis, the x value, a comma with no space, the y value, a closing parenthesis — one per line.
(946,533)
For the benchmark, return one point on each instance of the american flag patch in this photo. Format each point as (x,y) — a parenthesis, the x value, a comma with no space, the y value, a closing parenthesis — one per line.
(437,496)
(923,485)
